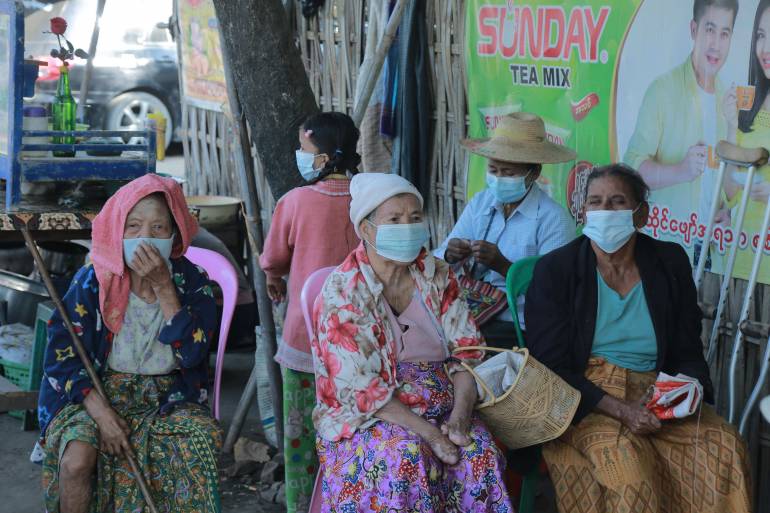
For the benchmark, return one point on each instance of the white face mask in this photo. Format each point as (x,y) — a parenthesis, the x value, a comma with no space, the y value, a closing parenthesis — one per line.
(163,246)
(609,229)
(305,162)
(400,242)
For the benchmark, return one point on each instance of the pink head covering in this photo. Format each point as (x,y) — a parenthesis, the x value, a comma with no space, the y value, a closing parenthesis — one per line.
(107,240)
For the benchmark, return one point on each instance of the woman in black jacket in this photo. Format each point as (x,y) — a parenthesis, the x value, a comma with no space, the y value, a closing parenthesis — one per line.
(607,312)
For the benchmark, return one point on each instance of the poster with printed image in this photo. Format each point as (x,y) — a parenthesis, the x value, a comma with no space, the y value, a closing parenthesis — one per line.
(652,83)
(203,69)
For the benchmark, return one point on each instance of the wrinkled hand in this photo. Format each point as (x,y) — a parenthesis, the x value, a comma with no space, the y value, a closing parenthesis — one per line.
(276,289)
(150,265)
(443,448)
(489,254)
(639,419)
(458,431)
(113,429)
(730,108)
(694,162)
(760,192)
(457,250)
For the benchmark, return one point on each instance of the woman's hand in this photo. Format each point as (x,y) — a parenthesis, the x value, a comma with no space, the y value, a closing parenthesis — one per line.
(458,430)
(458,426)
(151,266)
(489,254)
(639,419)
(632,414)
(444,449)
(276,288)
(113,429)
(457,250)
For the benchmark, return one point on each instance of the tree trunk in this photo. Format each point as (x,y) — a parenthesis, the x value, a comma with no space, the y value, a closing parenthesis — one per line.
(271,83)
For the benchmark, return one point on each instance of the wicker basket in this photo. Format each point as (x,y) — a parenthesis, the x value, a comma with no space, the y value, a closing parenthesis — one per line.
(538,407)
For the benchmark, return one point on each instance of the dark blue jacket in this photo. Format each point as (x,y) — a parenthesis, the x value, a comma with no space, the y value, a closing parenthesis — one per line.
(189,333)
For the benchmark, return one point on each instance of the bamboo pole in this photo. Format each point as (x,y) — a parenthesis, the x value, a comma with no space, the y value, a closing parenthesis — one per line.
(81,351)
(379,58)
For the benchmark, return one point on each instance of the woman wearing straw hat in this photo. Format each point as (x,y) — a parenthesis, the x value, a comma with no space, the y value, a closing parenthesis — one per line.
(394,414)
(607,313)
(512,218)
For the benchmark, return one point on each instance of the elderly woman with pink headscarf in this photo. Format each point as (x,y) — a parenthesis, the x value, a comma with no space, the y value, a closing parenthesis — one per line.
(145,315)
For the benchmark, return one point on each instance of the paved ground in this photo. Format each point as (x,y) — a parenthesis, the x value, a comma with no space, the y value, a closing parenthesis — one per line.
(20,490)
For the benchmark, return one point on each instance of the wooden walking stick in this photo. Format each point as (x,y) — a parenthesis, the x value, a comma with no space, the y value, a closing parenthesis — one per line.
(85,359)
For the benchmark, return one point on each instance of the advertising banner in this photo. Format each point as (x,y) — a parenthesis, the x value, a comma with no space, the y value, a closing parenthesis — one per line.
(651,83)
(203,69)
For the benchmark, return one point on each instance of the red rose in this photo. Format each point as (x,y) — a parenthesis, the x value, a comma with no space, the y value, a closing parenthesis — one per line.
(58,26)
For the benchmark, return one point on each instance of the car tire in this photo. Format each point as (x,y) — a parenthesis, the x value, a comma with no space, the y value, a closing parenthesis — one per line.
(127,111)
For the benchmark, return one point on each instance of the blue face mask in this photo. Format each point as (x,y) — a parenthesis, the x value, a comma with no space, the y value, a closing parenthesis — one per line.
(609,229)
(162,245)
(507,189)
(400,242)
(305,165)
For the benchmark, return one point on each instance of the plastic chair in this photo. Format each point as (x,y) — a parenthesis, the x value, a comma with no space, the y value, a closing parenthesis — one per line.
(221,271)
(310,291)
(516,283)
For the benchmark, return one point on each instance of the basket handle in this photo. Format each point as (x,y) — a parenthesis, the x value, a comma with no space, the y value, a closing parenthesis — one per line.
(479,379)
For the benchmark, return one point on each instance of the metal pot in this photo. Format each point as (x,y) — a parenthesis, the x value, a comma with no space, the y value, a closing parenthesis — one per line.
(62,258)
(15,257)
(215,210)
(22,295)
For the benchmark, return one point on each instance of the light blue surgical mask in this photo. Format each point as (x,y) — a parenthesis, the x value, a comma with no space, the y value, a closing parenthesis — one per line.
(400,242)
(609,229)
(507,189)
(162,245)
(305,161)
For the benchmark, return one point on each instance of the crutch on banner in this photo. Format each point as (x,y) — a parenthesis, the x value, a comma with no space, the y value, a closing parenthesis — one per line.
(744,315)
(746,158)
(706,241)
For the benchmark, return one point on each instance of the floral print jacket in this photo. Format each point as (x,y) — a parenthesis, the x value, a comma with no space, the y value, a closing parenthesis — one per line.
(189,333)
(354,351)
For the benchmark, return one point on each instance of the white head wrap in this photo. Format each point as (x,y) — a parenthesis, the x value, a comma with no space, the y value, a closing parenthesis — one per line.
(370,190)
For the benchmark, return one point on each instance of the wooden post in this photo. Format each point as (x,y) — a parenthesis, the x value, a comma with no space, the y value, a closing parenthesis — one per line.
(379,59)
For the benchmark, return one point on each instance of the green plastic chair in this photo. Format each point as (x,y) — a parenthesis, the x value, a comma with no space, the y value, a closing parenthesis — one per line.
(516,283)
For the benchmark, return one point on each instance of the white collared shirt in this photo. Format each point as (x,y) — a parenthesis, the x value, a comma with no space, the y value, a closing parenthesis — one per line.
(539,225)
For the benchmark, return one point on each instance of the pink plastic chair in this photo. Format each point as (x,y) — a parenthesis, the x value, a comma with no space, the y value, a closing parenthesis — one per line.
(221,271)
(310,291)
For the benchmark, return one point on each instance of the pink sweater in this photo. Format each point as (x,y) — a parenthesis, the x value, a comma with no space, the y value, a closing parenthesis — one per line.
(311,229)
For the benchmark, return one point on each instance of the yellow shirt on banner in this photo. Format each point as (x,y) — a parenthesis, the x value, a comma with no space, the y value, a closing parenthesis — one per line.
(670,121)
(752,224)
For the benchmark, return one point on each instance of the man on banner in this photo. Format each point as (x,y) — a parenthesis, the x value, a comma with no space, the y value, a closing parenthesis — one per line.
(685,112)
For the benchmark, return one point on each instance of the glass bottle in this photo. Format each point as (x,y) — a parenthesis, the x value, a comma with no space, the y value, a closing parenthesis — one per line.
(63,112)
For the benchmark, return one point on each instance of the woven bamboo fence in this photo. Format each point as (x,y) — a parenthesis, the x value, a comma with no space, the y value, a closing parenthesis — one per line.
(332,47)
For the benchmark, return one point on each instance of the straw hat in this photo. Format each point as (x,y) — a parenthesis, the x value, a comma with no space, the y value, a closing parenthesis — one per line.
(520,137)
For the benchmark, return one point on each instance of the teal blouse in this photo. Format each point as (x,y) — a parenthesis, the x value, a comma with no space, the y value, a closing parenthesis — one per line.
(624,333)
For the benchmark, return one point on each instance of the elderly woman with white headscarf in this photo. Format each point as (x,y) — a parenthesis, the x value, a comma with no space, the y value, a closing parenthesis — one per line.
(394,414)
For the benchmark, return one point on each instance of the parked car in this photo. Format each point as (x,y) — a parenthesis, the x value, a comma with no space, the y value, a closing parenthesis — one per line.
(135,68)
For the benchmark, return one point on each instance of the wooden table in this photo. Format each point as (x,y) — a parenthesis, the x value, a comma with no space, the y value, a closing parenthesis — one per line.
(47,221)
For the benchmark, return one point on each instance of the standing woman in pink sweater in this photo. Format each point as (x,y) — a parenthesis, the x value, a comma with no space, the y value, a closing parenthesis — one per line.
(310,230)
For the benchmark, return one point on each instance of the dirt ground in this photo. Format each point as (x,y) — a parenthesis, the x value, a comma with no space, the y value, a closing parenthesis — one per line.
(20,490)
